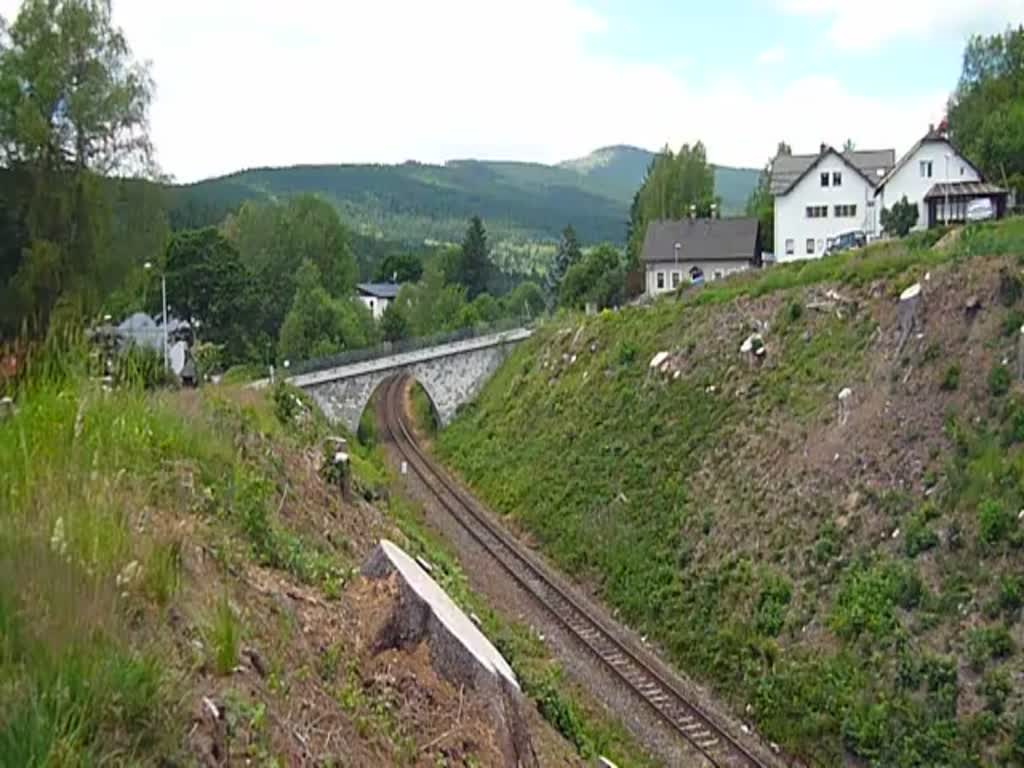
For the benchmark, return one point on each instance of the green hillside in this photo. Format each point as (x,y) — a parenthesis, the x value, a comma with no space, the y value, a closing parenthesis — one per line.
(416,202)
(848,581)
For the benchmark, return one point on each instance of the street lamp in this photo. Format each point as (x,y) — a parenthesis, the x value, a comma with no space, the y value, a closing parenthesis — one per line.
(148,266)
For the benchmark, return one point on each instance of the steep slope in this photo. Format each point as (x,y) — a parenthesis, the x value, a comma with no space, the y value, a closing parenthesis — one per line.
(847,572)
(179,586)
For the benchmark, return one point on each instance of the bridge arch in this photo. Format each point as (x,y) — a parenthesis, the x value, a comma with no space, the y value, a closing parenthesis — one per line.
(452,374)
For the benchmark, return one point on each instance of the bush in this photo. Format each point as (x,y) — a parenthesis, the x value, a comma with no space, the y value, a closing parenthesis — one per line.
(951,379)
(772,605)
(1011,596)
(987,643)
(995,521)
(995,687)
(999,381)
(224,637)
(918,537)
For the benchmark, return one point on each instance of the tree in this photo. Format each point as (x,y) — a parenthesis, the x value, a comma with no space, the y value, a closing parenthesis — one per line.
(849,146)
(394,324)
(526,301)
(208,286)
(901,218)
(986,113)
(319,324)
(431,305)
(73,107)
(597,279)
(402,267)
(761,203)
(474,259)
(567,255)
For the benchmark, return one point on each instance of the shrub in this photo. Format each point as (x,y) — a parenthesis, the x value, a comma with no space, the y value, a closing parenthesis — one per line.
(1010,288)
(951,379)
(772,605)
(999,381)
(995,521)
(1011,596)
(985,643)
(795,311)
(918,537)
(627,352)
(865,602)
(995,687)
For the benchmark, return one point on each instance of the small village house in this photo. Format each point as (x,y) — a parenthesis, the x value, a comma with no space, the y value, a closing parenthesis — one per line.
(693,250)
(831,193)
(377,296)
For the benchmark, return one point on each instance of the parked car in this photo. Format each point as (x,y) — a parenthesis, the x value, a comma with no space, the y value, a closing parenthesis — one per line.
(981,209)
(846,241)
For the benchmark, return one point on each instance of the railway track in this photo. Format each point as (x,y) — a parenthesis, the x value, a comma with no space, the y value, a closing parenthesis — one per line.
(712,741)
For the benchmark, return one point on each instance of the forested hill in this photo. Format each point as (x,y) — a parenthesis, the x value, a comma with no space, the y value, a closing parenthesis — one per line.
(417,202)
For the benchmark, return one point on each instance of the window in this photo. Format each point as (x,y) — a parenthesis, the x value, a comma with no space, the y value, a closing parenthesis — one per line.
(719,274)
(824,179)
(926,169)
(845,211)
(963,170)
(837,179)
(817,211)
(676,279)
(661,281)
(810,245)
(790,247)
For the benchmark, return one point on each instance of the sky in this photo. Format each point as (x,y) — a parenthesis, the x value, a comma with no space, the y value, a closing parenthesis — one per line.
(251,83)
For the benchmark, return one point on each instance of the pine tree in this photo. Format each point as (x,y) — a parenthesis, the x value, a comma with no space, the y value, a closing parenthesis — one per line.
(568,254)
(474,264)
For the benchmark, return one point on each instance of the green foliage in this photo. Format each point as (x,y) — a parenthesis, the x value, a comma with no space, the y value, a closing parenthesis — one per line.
(318,325)
(987,643)
(918,537)
(901,218)
(404,267)
(986,115)
(599,278)
(474,264)
(996,521)
(995,687)
(224,636)
(394,324)
(999,380)
(567,255)
(526,301)
(772,603)
(950,379)
(675,183)
(868,594)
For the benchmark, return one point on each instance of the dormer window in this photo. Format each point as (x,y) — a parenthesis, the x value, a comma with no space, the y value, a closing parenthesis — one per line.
(926,169)
(824,179)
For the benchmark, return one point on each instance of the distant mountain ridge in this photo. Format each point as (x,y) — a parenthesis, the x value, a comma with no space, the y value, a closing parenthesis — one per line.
(417,202)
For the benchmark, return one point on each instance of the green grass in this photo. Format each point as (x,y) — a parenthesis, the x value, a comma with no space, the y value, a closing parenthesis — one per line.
(646,485)
(224,636)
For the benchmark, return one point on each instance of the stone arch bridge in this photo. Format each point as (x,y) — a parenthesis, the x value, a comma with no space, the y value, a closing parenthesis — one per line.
(452,374)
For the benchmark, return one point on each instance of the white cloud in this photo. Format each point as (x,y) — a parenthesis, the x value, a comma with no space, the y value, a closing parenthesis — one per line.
(772,56)
(245,83)
(861,25)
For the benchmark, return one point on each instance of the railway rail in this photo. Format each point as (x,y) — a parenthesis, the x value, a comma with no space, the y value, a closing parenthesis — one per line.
(653,689)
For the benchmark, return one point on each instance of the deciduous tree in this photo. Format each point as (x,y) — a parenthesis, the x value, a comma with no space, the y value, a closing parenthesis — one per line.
(901,218)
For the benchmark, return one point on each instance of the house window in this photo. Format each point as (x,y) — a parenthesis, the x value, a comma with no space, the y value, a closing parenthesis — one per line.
(817,211)
(845,211)
(824,179)
(810,245)
(926,169)
(790,247)
(837,179)
(676,279)
(719,274)
(371,305)
(661,281)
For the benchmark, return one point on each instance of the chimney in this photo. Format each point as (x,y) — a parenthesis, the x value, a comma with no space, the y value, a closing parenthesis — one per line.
(824,148)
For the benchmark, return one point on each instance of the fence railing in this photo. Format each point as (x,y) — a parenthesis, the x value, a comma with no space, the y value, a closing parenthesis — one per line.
(388,349)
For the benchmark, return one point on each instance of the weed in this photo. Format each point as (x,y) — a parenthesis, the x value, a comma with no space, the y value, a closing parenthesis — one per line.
(917,536)
(995,521)
(1011,596)
(995,687)
(627,352)
(162,573)
(985,643)
(999,380)
(224,636)
(951,379)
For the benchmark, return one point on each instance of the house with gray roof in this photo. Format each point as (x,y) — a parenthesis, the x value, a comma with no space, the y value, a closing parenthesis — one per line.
(377,296)
(689,251)
(821,196)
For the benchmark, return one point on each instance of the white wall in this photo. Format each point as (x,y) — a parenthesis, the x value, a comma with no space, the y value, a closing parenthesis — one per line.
(908,180)
(712,270)
(791,221)
(375,305)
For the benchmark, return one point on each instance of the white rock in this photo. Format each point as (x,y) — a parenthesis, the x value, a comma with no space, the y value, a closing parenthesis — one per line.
(211,708)
(896,533)
(911,292)
(658,359)
(846,393)
(128,573)
(754,339)
(677,374)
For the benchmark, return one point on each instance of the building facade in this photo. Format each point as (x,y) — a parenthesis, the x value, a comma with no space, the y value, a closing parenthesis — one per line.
(678,253)
(821,196)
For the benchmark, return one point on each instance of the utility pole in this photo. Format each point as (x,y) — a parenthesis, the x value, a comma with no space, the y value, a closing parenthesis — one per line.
(163,296)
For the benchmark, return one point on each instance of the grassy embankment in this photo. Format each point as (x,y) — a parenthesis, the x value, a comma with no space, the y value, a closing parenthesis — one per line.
(149,540)
(855,589)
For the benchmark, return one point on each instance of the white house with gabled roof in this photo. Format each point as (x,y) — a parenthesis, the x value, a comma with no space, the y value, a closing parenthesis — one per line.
(933,174)
(825,195)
